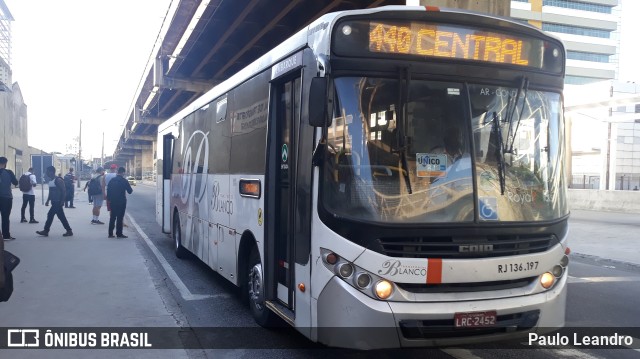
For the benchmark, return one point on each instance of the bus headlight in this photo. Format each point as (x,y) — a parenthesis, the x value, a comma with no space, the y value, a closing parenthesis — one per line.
(330,258)
(557,271)
(346,270)
(546,280)
(384,289)
(366,282)
(363,280)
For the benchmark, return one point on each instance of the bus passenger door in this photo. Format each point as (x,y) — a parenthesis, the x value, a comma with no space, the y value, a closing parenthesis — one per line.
(167,167)
(282,168)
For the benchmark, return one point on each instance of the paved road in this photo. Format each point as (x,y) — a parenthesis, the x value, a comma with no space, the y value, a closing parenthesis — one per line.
(92,281)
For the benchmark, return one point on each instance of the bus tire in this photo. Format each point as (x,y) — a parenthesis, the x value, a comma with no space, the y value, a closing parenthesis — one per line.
(181,252)
(255,292)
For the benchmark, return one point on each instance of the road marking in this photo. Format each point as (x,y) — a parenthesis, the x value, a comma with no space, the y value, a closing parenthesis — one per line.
(572,353)
(185,293)
(460,353)
(602,279)
(635,346)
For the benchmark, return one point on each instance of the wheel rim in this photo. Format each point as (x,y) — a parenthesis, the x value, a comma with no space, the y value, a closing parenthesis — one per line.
(255,286)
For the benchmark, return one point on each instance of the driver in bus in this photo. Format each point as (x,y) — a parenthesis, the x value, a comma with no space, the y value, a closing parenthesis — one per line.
(452,145)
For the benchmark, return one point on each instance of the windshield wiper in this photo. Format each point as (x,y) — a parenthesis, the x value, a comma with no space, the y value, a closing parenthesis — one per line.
(403,96)
(524,86)
(497,132)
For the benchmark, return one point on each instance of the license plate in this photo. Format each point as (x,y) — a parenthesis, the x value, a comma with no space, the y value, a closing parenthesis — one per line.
(475,319)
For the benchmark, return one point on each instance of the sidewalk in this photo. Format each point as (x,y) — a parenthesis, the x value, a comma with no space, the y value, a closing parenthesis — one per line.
(86,280)
(608,236)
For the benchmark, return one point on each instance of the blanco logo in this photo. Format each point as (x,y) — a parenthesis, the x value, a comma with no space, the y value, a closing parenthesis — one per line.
(395,267)
(22,338)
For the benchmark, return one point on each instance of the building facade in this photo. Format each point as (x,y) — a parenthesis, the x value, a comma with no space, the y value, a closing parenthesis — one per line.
(5,44)
(604,141)
(13,110)
(588,28)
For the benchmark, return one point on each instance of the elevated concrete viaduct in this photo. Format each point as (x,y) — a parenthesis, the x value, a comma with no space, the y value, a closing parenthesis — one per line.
(203,42)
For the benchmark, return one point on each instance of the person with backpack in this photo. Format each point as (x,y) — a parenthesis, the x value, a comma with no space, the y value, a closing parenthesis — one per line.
(26,183)
(96,191)
(68,184)
(7,178)
(57,195)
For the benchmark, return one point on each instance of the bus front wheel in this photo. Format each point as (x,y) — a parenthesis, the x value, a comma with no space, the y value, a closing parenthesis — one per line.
(181,252)
(255,292)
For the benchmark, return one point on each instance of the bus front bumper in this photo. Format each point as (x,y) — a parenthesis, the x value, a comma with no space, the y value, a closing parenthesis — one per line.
(349,319)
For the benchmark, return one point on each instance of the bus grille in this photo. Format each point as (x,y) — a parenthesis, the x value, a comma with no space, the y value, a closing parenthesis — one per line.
(466,287)
(477,247)
(444,328)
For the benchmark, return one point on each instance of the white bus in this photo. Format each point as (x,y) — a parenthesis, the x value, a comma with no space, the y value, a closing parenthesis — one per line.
(389,177)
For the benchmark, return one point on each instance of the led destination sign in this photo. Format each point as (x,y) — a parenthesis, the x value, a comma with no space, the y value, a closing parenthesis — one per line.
(388,39)
(431,40)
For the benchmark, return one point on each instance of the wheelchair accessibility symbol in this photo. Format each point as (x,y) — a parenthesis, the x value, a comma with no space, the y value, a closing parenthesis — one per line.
(488,208)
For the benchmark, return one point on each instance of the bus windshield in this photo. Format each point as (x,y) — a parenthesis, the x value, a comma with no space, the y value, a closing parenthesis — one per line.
(401,152)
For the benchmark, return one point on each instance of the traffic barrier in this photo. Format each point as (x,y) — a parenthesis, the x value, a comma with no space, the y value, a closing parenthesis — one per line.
(599,200)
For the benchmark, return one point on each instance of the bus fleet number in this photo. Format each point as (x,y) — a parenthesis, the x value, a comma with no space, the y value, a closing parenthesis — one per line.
(517,267)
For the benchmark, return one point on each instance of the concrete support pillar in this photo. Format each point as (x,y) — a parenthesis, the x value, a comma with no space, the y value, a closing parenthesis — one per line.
(494,7)
(131,166)
(568,155)
(135,168)
(146,164)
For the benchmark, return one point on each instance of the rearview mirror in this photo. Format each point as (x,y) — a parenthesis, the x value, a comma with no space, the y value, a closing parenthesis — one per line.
(318,102)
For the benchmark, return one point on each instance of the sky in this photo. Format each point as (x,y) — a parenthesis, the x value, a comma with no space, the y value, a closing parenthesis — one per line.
(83,60)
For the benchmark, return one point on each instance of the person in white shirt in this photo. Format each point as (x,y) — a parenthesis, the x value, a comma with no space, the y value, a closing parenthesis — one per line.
(29,197)
(108,177)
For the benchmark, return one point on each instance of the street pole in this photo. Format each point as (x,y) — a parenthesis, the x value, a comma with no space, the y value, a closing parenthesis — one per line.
(102,153)
(42,180)
(79,171)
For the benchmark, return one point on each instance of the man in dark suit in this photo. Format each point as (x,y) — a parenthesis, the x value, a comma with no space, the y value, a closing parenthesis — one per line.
(57,195)
(117,190)
(7,178)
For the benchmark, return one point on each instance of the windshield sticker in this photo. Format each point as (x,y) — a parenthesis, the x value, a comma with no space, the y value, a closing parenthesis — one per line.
(521,196)
(453,91)
(487,181)
(431,165)
(488,208)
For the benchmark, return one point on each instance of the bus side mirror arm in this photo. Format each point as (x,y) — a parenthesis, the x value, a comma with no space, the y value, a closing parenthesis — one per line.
(318,153)
(318,102)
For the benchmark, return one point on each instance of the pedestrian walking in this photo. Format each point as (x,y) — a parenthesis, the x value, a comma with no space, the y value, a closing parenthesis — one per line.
(3,279)
(57,194)
(86,185)
(28,182)
(7,178)
(96,191)
(68,183)
(118,198)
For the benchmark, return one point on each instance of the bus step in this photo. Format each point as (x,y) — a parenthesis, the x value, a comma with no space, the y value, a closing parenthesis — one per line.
(283,312)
